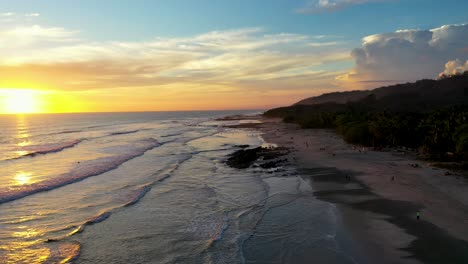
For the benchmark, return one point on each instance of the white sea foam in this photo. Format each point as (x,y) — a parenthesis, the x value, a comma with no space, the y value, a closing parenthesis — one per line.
(80,171)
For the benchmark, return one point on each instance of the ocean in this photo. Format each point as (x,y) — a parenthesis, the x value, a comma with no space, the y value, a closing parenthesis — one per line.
(146,188)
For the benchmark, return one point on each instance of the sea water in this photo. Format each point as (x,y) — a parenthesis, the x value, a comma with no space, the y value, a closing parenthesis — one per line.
(144,188)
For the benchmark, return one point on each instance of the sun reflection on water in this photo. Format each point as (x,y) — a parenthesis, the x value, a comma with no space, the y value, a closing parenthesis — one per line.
(28,247)
(24,143)
(23,178)
(21,152)
(27,255)
(22,127)
(22,135)
(25,248)
(27,232)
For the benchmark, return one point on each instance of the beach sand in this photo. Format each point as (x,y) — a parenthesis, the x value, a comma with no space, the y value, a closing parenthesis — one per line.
(378,195)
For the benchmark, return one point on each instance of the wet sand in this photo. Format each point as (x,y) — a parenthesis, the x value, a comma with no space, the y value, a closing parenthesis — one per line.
(378,195)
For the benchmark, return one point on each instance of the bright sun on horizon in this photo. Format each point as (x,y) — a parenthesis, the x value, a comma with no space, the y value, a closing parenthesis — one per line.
(20,101)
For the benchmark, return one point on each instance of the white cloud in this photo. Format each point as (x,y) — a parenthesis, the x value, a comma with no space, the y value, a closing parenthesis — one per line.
(38,32)
(23,41)
(11,17)
(454,67)
(323,44)
(318,6)
(407,55)
(7,14)
(59,57)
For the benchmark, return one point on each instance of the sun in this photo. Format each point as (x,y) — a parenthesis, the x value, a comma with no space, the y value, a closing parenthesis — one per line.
(20,101)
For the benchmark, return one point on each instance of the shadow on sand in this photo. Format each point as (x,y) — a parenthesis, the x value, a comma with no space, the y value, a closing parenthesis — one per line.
(432,244)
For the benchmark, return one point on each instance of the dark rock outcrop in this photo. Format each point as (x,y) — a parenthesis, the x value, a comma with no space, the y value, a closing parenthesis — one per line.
(245,158)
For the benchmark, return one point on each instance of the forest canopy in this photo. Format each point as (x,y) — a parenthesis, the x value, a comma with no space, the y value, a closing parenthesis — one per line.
(429,115)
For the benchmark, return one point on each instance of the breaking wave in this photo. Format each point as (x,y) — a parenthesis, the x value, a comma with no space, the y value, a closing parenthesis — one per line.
(81,171)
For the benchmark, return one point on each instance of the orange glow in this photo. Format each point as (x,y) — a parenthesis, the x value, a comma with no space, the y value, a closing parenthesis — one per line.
(131,99)
(33,101)
(20,101)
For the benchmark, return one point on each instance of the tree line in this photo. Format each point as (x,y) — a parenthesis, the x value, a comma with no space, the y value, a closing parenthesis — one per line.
(438,132)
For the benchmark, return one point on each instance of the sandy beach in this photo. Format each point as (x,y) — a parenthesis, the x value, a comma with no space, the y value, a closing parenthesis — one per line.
(378,195)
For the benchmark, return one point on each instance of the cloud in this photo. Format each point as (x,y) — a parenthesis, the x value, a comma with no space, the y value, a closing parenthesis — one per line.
(11,17)
(58,58)
(407,55)
(19,43)
(454,67)
(12,14)
(318,6)
(37,33)
(7,14)
(323,44)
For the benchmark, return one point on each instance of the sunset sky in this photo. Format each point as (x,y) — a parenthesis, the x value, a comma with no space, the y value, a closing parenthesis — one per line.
(157,55)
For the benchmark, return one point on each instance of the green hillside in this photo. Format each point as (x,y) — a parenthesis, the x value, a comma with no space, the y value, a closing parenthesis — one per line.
(430,115)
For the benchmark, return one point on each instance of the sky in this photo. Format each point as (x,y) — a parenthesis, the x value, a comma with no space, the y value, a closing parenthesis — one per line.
(167,55)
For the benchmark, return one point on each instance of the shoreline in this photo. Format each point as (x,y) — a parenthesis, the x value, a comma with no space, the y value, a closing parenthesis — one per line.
(378,195)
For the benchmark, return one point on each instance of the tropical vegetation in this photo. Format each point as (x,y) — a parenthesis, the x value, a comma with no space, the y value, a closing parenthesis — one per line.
(437,127)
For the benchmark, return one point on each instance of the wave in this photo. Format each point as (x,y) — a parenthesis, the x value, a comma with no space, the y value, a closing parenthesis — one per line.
(188,140)
(129,131)
(97,219)
(34,150)
(124,132)
(66,252)
(75,230)
(78,229)
(138,194)
(172,135)
(81,171)
(54,133)
(62,132)
(50,148)
(219,231)
(70,252)
(70,131)
(134,198)
(141,191)
(97,126)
